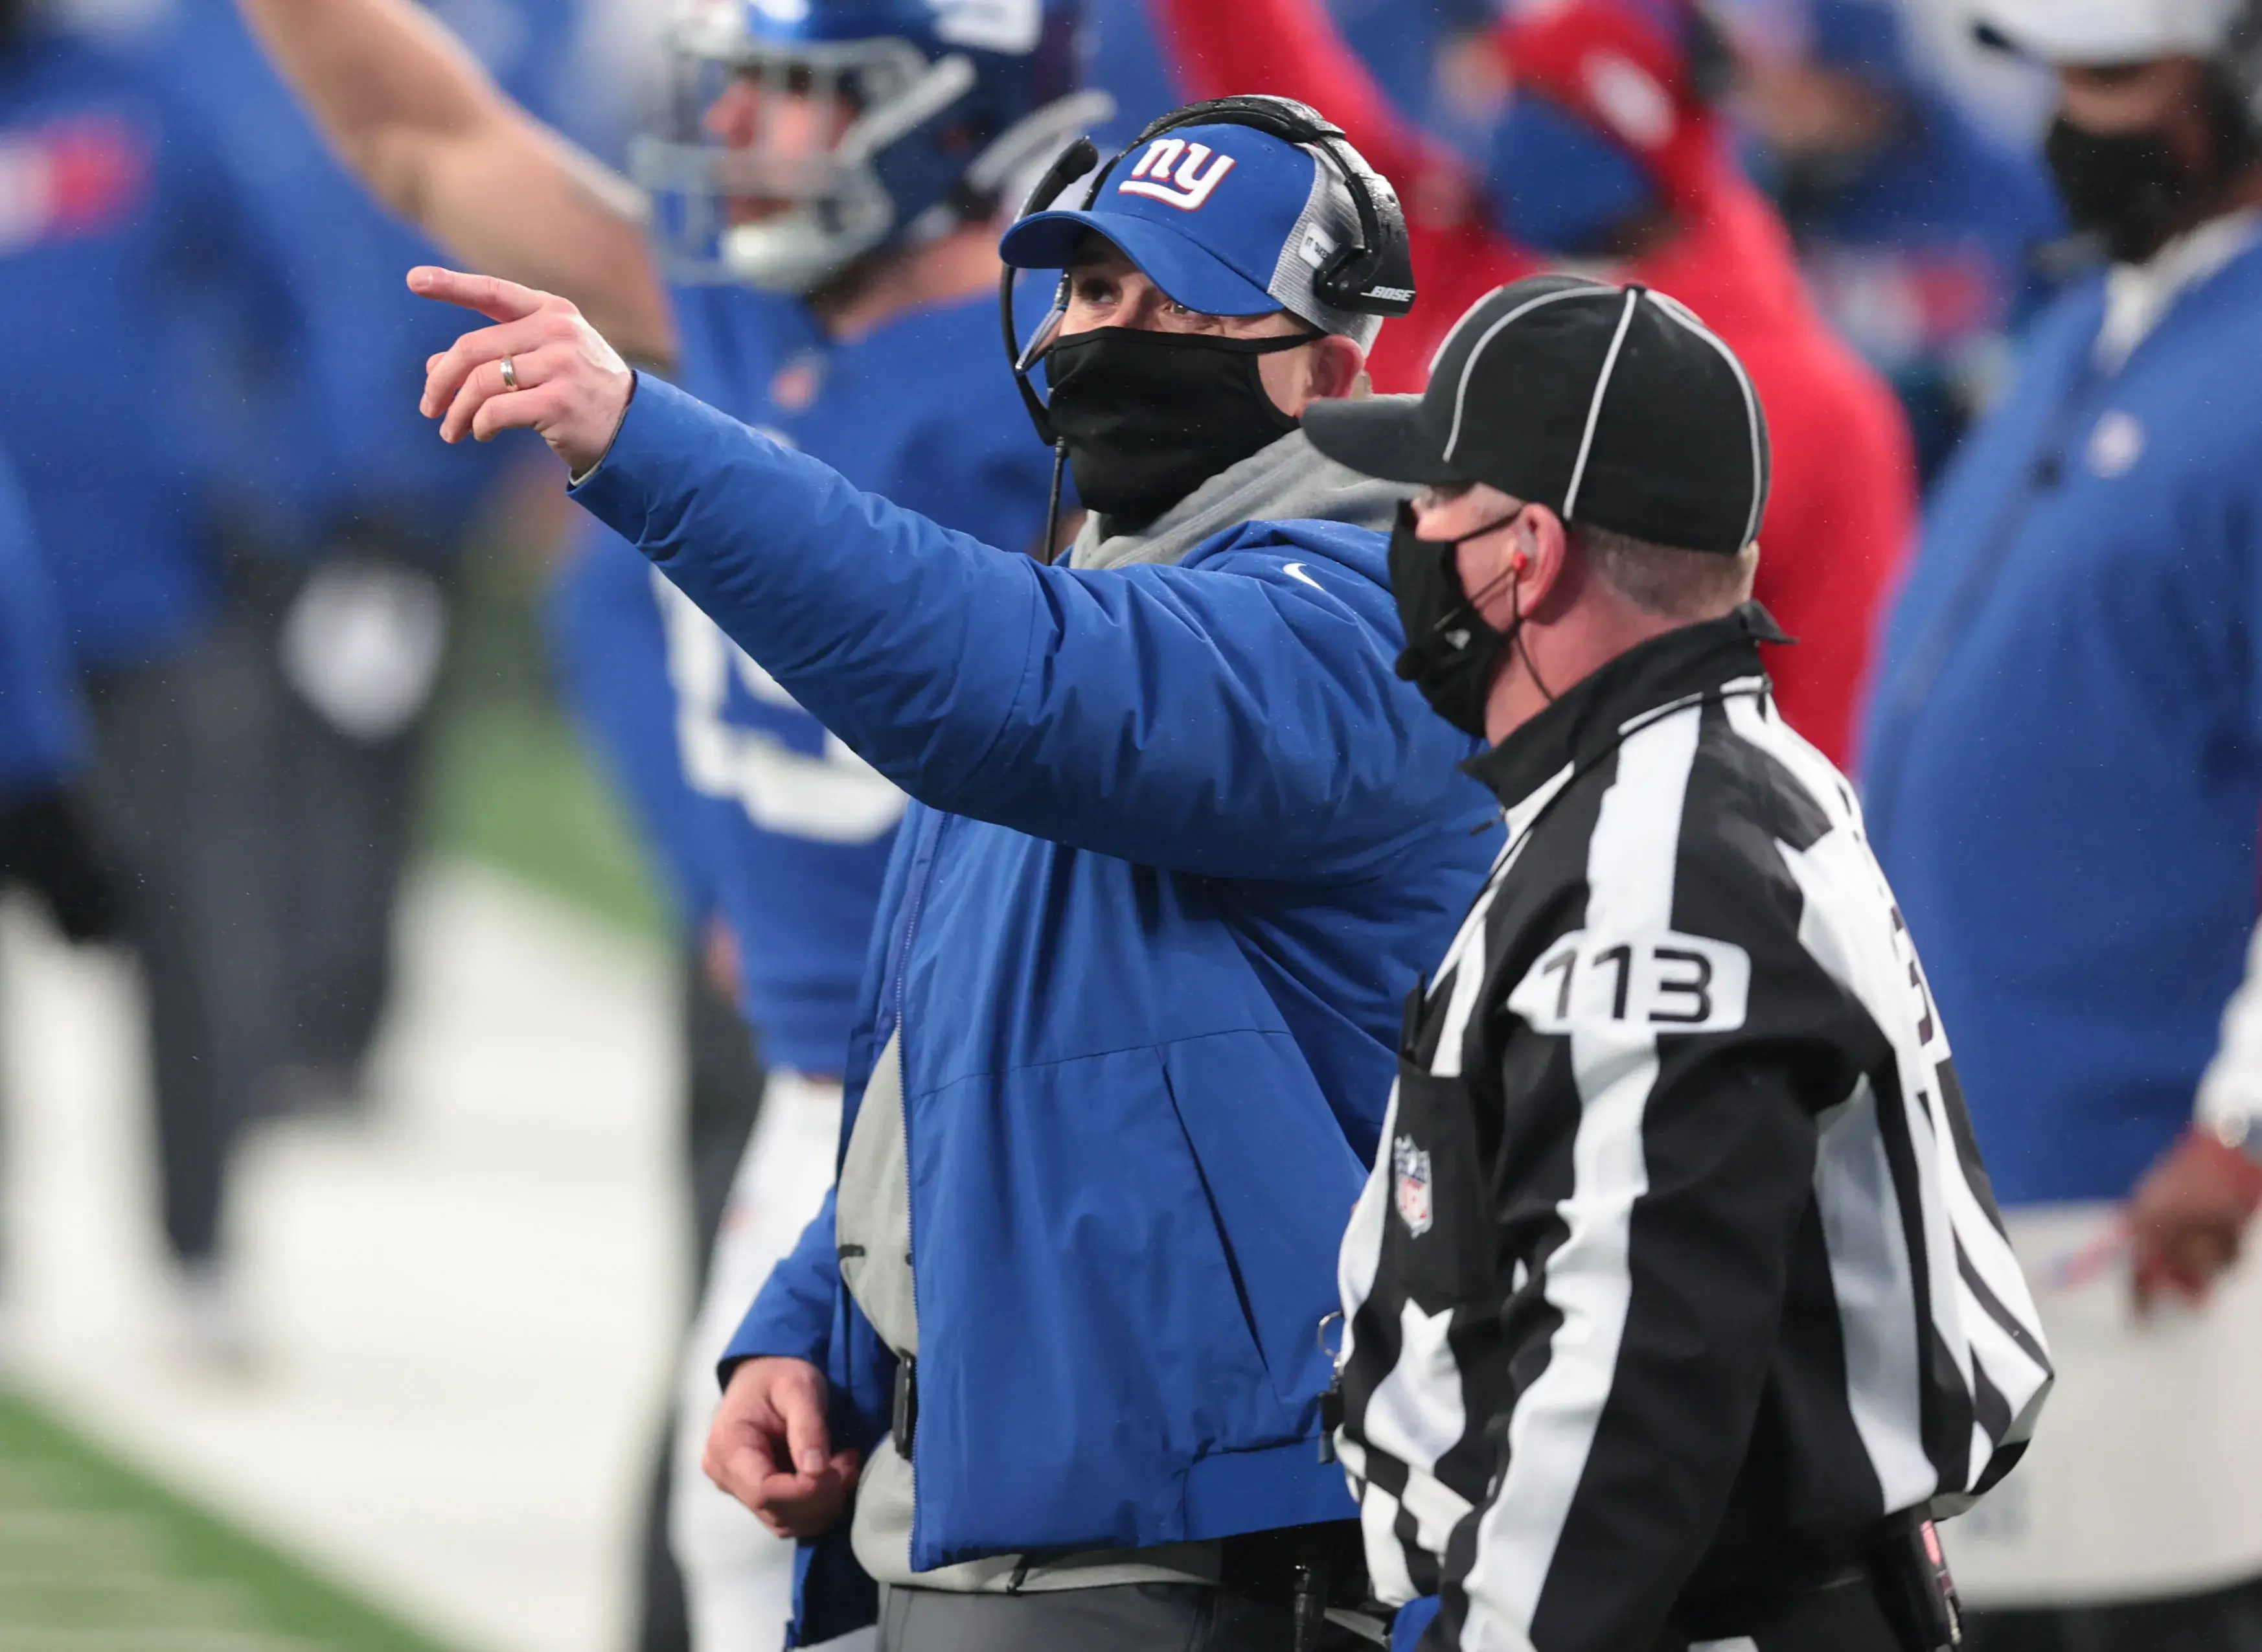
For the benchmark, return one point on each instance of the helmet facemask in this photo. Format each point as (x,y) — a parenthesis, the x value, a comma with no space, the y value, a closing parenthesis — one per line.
(828,150)
(798,203)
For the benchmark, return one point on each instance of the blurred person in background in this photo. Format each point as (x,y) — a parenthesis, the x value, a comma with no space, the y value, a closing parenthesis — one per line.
(823,266)
(337,530)
(2065,782)
(1611,156)
(47,841)
(1918,227)
(133,273)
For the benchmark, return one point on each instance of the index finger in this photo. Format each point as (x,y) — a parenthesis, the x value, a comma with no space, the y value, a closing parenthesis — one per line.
(492,296)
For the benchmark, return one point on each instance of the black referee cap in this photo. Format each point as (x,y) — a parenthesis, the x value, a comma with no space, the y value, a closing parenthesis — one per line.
(1614,406)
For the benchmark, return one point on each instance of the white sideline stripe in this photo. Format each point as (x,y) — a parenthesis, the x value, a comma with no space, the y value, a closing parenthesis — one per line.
(1629,871)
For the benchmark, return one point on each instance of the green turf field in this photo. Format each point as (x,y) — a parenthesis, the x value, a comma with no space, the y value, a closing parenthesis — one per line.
(95,1557)
(510,783)
(513,787)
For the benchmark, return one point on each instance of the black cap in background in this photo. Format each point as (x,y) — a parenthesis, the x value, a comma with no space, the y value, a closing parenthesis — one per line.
(1615,407)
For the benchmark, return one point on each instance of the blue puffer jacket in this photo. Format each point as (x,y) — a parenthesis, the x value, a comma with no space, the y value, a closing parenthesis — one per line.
(1184,843)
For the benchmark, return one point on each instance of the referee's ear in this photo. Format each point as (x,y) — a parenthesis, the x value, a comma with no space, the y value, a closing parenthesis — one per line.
(1524,569)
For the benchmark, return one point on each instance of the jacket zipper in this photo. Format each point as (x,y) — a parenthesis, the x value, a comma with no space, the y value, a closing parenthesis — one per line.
(914,904)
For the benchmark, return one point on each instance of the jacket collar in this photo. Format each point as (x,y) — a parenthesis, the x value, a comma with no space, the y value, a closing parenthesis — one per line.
(1286,482)
(1586,724)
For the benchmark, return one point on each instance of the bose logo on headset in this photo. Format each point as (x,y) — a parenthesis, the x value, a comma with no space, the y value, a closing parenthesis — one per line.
(1192,186)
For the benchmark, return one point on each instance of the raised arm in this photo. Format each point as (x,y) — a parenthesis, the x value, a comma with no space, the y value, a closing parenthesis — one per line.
(1238,719)
(414,115)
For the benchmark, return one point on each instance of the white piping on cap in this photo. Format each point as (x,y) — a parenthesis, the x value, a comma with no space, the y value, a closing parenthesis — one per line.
(1595,408)
(1688,319)
(1469,367)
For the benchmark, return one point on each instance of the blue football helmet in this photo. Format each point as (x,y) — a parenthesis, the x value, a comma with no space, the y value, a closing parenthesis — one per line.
(940,107)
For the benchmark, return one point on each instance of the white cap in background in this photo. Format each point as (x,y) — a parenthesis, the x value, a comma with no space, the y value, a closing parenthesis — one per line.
(2104,32)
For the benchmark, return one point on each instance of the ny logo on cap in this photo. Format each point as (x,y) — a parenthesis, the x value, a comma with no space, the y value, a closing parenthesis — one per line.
(1192,186)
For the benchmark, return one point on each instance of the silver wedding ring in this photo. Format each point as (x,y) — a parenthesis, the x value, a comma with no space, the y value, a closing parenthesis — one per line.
(509,375)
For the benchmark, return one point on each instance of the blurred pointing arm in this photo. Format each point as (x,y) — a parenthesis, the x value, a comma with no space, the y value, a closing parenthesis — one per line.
(412,114)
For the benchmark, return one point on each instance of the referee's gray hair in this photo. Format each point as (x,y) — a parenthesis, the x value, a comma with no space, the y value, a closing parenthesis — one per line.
(1665,580)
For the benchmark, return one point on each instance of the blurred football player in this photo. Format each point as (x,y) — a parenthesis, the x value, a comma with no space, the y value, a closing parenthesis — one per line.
(821,263)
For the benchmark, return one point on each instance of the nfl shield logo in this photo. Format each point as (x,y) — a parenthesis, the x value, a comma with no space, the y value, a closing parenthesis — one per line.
(1411,1167)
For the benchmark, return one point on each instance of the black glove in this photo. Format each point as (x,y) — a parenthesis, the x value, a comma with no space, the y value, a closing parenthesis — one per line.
(46,845)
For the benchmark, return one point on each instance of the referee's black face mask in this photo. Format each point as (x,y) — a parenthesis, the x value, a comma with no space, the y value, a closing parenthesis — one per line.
(1452,652)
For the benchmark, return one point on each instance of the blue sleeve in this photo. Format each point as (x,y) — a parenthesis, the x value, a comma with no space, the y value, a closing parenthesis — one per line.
(1237,720)
(793,1315)
(42,731)
(608,648)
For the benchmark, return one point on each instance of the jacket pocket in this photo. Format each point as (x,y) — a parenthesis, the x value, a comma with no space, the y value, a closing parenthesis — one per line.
(1082,1338)
(1280,1181)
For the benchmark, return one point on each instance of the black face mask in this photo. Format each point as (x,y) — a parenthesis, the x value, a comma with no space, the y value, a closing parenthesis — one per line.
(1452,652)
(2125,188)
(1149,416)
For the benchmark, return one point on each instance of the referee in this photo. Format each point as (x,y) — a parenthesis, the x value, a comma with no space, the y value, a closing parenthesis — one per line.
(1677,1300)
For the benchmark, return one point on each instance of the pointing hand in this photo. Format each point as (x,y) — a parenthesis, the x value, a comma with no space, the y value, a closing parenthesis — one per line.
(565,381)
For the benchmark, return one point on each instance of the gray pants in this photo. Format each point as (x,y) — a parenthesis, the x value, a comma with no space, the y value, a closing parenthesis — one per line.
(345,804)
(260,849)
(1123,1618)
(180,792)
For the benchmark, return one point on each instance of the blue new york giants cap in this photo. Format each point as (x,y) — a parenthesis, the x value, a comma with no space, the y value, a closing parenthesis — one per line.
(1227,219)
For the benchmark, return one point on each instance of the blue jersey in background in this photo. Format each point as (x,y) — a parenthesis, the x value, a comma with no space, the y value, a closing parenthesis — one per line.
(608,653)
(1124,58)
(42,725)
(122,233)
(797,828)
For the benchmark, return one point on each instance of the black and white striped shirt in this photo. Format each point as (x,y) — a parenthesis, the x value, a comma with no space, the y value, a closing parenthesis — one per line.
(1678,1267)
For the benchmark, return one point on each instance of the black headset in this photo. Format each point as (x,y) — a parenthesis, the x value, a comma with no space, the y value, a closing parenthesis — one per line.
(1372,276)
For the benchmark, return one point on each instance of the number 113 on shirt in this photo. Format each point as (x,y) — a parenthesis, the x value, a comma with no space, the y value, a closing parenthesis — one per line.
(1664,980)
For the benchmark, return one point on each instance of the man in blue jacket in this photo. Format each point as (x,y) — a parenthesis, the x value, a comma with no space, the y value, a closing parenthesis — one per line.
(2065,779)
(1179,837)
